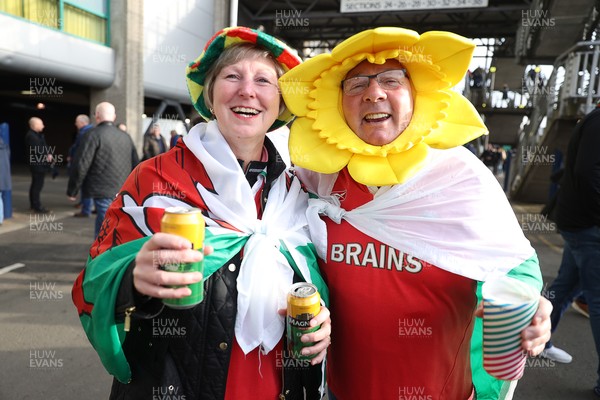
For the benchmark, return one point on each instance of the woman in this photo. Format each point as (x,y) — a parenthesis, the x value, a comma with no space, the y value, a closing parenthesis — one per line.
(230,345)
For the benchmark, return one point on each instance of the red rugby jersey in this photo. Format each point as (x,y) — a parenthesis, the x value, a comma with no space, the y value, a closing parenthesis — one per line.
(401,327)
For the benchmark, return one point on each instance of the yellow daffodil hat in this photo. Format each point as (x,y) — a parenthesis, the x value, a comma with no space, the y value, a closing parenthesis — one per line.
(320,139)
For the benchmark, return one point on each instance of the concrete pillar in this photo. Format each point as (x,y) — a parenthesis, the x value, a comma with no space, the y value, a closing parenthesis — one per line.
(221,16)
(127,90)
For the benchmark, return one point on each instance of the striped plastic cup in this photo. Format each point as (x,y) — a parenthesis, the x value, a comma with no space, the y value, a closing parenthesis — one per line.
(508,307)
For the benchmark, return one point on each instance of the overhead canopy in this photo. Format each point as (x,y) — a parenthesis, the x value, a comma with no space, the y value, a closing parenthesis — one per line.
(321,21)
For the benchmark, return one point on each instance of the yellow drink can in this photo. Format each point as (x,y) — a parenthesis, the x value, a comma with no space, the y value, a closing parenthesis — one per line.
(187,223)
(303,303)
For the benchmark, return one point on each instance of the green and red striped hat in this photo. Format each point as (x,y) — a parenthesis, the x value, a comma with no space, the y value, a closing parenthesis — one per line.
(196,71)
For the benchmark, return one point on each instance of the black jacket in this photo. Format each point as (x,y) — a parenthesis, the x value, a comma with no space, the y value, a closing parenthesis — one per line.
(37,151)
(195,365)
(104,159)
(579,194)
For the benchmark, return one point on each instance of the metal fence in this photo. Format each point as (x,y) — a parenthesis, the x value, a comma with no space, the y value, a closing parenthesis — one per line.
(572,90)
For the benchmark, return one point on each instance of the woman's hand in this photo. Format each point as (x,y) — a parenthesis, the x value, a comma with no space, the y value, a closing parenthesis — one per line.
(535,336)
(162,249)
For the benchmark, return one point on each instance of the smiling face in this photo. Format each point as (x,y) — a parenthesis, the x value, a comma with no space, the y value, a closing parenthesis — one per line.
(246,99)
(378,116)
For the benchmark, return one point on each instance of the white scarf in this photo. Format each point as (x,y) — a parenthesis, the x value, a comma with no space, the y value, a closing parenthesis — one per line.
(265,274)
(452,214)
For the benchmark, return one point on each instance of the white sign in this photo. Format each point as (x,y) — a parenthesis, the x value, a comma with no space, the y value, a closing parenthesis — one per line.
(349,6)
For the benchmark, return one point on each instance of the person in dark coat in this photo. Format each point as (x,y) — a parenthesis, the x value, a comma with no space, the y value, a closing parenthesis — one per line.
(174,138)
(5,181)
(83,125)
(578,221)
(39,158)
(154,143)
(102,162)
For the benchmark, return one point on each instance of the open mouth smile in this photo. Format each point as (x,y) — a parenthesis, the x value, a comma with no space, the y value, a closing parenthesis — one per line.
(246,112)
(377,117)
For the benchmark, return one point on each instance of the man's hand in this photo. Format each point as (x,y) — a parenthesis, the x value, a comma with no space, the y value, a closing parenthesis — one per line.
(535,336)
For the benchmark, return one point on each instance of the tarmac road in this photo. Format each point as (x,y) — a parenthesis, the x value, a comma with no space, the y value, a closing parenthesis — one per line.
(45,354)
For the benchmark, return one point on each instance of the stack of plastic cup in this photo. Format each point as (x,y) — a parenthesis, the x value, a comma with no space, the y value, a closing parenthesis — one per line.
(508,307)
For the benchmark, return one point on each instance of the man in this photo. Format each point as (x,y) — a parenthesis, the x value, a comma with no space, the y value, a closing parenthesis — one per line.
(477,86)
(489,156)
(578,221)
(5,179)
(39,159)
(174,138)
(154,143)
(82,123)
(405,233)
(102,163)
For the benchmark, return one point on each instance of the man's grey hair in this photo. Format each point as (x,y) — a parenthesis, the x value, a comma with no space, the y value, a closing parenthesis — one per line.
(84,119)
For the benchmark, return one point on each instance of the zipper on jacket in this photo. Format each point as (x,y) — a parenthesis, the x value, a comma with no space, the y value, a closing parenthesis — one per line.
(127,323)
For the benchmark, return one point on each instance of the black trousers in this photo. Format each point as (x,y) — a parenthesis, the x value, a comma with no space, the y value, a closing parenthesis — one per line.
(37,183)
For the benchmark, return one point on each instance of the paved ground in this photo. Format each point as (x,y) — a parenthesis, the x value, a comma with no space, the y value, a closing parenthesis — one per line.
(546,379)
(45,354)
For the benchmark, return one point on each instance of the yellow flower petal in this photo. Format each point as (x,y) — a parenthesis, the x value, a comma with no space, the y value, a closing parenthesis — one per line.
(374,41)
(309,151)
(451,52)
(293,82)
(426,77)
(461,124)
(380,171)
(332,126)
(427,110)
(296,95)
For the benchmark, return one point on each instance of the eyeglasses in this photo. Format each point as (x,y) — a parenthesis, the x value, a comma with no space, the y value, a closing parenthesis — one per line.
(387,80)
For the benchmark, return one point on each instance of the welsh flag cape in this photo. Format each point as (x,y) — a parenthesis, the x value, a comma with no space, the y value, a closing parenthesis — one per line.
(452,214)
(275,246)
